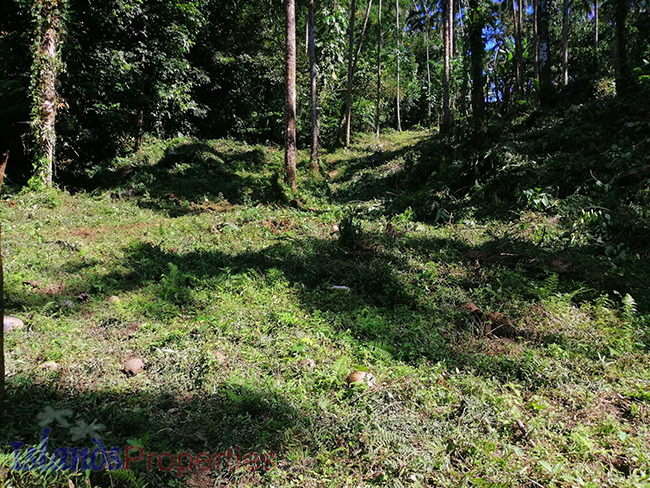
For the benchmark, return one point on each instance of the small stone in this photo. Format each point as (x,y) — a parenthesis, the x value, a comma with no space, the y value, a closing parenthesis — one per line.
(12,323)
(219,356)
(51,365)
(113,299)
(361,377)
(66,304)
(335,228)
(133,366)
(308,364)
(83,297)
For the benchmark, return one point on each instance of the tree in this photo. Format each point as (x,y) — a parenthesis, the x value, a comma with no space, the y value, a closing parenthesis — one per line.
(623,74)
(314,85)
(477,50)
(378,97)
(353,60)
(565,42)
(447,15)
(290,127)
(545,81)
(48,18)
(399,49)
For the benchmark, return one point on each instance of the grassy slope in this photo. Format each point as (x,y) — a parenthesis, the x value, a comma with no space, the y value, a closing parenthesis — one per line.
(225,299)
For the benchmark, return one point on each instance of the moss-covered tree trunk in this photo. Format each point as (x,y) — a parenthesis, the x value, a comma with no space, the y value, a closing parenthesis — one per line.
(46,67)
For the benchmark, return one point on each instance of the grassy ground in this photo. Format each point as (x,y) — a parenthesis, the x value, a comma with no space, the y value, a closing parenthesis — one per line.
(229,302)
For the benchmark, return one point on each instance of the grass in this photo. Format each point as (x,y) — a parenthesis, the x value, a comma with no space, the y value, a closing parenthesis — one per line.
(224,290)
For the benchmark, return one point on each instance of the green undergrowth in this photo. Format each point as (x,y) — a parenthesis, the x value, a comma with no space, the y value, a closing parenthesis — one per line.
(250,306)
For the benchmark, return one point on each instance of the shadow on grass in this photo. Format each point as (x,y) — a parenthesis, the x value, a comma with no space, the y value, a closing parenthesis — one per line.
(233,417)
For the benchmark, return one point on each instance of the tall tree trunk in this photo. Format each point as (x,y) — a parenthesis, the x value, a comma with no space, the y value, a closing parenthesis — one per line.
(447,18)
(565,43)
(290,135)
(399,49)
(46,68)
(545,81)
(378,101)
(596,26)
(351,72)
(427,28)
(536,38)
(314,85)
(477,50)
(348,91)
(623,75)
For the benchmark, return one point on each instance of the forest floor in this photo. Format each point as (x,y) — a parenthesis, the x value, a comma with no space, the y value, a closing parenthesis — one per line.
(504,351)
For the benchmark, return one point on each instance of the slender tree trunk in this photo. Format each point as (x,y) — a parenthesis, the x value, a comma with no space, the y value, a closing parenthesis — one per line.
(348,91)
(565,43)
(427,27)
(314,85)
(536,38)
(623,75)
(477,50)
(545,81)
(290,136)
(378,101)
(399,49)
(446,100)
(351,72)
(596,26)
(46,68)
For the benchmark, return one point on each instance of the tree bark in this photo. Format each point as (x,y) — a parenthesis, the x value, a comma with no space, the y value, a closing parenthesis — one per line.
(399,48)
(545,81)
(477,50)
(447,17)
(623,75)
(314,86)
(47,67)
(378,101)
(565,43)
(290,135)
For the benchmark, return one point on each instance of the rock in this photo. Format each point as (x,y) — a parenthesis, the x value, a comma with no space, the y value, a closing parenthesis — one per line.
(66,304)
(113,299)
(335,228)
(308,363)
(83,297)
(220,357)
(12,323)
(132,329)
(357,377)
(133,366)
(51,365)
